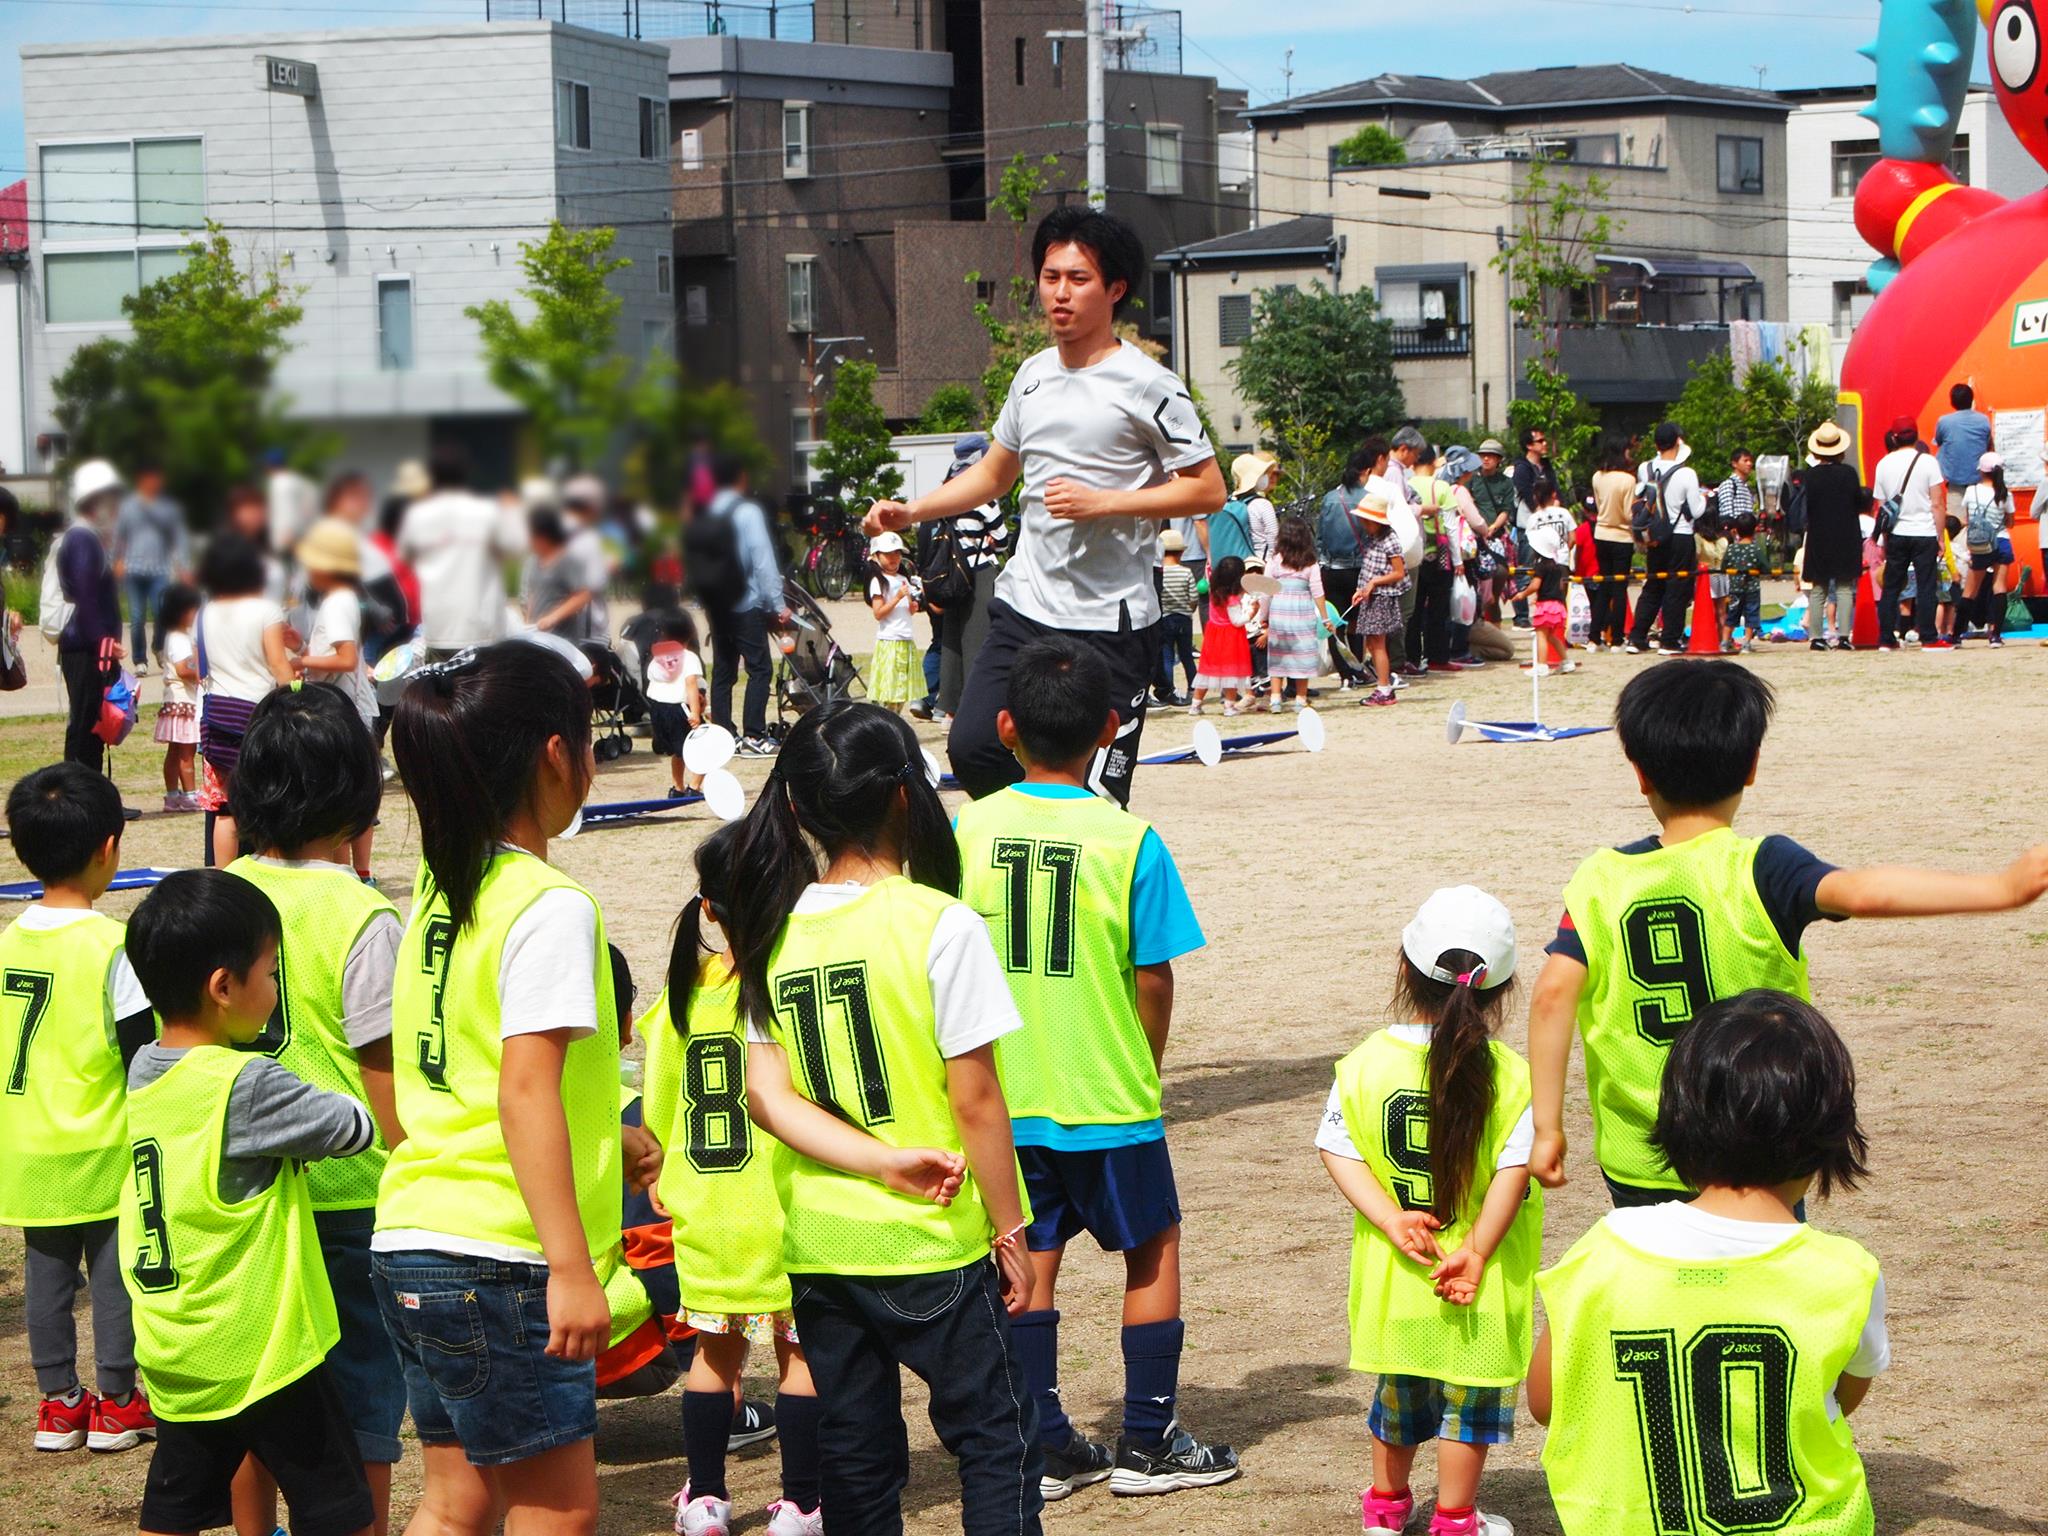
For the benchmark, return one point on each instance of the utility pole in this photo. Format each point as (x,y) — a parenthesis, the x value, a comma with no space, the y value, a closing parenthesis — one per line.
(1287,75)
(1097,36)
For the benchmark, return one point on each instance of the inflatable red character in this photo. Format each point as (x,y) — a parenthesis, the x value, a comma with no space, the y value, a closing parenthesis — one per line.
(1963,281)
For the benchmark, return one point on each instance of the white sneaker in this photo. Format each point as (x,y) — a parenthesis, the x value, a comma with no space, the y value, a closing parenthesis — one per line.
(785,1519)
(1195,708)
(702,1517)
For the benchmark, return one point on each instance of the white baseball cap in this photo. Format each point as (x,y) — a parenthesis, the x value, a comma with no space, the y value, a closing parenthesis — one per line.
(1462,917)
(886,544)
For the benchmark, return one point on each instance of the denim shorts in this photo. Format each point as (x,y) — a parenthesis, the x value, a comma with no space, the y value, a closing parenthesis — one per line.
(1123,1197)
(363,1365)
(1411,1410)
(472,1337)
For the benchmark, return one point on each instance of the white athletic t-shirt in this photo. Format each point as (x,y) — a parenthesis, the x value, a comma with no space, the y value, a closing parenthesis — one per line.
(970,995)
(338,621)
(896,623)
(1914,484)
(1684,501)
(1334,1136)
(123,990)
(1125,424)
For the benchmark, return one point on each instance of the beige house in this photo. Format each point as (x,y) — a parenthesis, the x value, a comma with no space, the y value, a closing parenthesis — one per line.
(1695,180)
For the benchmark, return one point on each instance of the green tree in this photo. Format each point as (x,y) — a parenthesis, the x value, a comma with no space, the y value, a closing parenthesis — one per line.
(1318,370)
(952,408)
(668,415)
(562,365)
(1373,145)
(190,386)
(1770,412)
(856,461)
(1559,230)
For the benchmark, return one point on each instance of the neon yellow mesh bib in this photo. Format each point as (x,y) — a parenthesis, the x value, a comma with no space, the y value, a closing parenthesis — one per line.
(1398,1325)
(1665,932)
(853,1008)
(1052,878)
(452,1174)
(718,1177)
(324,913)
(1691,1397)
(63,1134)
(230,1301)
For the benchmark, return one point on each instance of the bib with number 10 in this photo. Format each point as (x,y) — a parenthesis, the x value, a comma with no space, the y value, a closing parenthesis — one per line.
(1666,932)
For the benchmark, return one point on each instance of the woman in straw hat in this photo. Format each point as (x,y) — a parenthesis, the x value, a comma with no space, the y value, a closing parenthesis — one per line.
(1381,572)
(1833,558)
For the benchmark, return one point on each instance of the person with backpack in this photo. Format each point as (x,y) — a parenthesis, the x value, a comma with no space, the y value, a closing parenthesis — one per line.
(81,607)
(956,560)
(1912,504)
(1987,514)
(1667,503)
(1230,526)
(729,566)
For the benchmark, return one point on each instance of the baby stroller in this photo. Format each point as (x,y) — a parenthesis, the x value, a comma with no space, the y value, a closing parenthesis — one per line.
(614,701)
(810,668)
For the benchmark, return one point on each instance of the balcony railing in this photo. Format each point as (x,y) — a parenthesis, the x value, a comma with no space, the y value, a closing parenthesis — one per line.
(795,22)
(1435,338)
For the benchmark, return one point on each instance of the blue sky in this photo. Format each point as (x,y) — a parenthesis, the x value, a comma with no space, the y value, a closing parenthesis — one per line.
(1802,42)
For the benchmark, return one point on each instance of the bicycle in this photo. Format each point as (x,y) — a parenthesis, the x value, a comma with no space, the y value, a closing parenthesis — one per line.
(836,552)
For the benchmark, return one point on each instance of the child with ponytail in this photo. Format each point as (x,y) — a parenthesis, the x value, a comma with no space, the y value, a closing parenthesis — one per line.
(718,1187)
(1427,1134)
(495,1210)
(872,1004)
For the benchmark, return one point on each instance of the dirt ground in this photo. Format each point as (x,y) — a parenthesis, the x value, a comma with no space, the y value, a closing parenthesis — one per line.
(1304,869)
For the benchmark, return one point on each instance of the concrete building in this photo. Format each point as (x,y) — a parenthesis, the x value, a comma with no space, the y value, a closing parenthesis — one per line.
(389,173)
(1828,147)
(1693,176)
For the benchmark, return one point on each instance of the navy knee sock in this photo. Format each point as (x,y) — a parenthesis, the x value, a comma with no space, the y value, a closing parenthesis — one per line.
(707,1424)
(1037,1339)
(796,1421)
(1151,1378)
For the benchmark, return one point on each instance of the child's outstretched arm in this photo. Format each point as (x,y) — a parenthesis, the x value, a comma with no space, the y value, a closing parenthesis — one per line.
(982,1114)
(1457,1278)
(1155,1005)
(1413,1232)
(1552,1011)
(1891,890)
(776,1106)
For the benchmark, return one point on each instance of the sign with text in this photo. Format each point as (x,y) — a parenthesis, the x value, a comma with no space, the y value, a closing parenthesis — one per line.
(292,76)
(2016,437)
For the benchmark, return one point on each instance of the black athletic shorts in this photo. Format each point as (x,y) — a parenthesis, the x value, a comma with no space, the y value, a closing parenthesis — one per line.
(300,1433)
(984,765)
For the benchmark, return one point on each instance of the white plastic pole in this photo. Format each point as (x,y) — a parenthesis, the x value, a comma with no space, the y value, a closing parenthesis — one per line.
(1535,677)
(1098,130)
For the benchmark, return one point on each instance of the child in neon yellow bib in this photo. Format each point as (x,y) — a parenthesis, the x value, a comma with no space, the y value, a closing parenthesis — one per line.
(233,1315)
(1427,1135)
(1701,1359)
(72,1016)
(872,1005)
(1655,930)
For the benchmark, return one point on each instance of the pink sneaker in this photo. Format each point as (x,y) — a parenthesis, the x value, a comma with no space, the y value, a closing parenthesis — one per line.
(1478,1523)
(1384,1516)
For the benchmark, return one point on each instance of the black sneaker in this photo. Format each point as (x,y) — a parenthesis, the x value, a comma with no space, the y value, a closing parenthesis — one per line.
(1817,644)
(921,710)
(755,746)
(754,1423)
(1178,1461)
(1072,1467)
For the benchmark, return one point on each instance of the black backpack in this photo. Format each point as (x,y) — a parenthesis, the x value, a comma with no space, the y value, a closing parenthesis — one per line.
(1647,515)
(941,566)
(712,571)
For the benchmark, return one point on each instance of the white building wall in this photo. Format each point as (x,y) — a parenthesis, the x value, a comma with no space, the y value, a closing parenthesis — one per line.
(13,368)
(429,153)
(1823,246)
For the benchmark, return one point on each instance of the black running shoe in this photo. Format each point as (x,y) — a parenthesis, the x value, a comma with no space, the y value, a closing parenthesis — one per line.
(1178,1461)
(1073,1467)
(754,1423)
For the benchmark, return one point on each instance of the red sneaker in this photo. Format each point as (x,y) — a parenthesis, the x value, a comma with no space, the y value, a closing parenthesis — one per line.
(121,1426)
(62,1426)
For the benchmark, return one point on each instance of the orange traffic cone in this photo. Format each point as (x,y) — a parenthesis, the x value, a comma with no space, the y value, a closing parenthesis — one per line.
(1863,634)
(1706,618)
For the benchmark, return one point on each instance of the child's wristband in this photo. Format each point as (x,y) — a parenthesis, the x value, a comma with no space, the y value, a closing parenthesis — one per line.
(1009,1238)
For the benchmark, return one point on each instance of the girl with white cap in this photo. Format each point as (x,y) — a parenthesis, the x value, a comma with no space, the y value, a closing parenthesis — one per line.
(1987,515)
(1427,1133)
(893,600)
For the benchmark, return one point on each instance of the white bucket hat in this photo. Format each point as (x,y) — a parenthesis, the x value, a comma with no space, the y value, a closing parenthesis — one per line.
(95,477)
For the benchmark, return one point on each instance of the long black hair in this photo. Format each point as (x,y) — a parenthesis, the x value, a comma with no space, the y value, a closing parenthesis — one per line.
(714,862)
(1462,1016)
(468,737)
(850,776)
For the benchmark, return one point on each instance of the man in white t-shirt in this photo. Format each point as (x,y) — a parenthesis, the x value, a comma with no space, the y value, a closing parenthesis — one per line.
(457,543)
(1668,566)
(1109,446)
(1912,476)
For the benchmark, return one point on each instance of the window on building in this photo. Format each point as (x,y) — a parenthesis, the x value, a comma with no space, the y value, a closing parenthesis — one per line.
(1020,61)
(1162,158)
(572,114)
(696,305)
(664,274)
(1849,159)
(1059,64)
(1233,319)
(116,217)
(803,292)
(1159,307)
(1852,302)
(690,149)
(1593,149)
(1739,164)
(653,128)
(394,323)
(796,139)
(1233,161)
(1426,307)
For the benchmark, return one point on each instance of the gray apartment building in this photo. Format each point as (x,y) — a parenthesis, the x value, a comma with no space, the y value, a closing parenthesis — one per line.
(389,174)
(1695,177)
